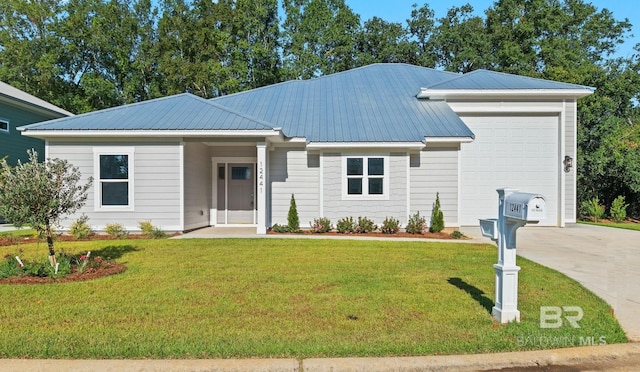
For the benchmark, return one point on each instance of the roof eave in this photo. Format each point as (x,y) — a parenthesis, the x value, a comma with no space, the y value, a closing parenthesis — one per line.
(440,94)
(429,140)
(150,133)
(364,145)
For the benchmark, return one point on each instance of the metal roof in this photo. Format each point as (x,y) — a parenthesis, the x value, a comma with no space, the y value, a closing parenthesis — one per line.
(484,79)
(14,93)
(180,112)
(375,103)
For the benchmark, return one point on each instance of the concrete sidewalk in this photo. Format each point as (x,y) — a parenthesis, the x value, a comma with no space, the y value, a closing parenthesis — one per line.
(624,357)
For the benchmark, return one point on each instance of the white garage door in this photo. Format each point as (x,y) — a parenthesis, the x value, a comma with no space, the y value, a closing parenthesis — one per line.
(515,151)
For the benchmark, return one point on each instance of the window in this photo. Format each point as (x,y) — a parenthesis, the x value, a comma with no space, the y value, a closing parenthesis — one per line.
(114,178)
(240,173)
(4,125)
(365,177)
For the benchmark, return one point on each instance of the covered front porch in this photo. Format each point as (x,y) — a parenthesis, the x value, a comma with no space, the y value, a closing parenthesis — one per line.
(225,184)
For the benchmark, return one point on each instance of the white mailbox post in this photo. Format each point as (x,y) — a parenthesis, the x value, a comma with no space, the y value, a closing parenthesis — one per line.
(515,209)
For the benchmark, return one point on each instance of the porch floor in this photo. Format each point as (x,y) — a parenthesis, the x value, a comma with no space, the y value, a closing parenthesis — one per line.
(220,232)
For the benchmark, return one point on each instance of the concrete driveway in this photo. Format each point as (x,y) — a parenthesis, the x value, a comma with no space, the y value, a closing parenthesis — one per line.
(604,260)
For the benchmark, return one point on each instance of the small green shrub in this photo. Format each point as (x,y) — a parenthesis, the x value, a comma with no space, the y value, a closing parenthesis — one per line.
(592,208)
(146,228)
(321,225)
(390,225)
(365,225)
(346,225)
(116,230)
(437,218)
(416,224)
(456,234)
(157,233)
(618,210)
(80,228)
(293,221)
(280,228)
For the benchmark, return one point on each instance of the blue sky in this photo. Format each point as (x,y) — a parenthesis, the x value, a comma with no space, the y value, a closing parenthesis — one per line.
(400,10)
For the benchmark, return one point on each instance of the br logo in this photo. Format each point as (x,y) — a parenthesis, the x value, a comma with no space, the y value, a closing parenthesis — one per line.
(551,316)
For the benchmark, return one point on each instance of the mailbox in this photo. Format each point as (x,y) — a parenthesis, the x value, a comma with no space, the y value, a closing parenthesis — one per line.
(525,207)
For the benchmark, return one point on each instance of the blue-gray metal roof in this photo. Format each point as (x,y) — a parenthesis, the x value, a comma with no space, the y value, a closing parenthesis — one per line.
(484,79)
(180,112)
(375,103)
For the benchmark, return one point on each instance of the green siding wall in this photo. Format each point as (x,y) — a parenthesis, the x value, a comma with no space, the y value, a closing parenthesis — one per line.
(13,144)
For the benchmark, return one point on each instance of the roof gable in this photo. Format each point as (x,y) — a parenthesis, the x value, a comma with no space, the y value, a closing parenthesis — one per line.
(485,79)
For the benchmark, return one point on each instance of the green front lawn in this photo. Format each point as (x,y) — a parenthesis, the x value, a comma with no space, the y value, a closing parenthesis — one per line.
(623,225)
(288,298)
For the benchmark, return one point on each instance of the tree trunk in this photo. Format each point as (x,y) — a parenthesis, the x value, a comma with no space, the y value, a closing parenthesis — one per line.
(52,252)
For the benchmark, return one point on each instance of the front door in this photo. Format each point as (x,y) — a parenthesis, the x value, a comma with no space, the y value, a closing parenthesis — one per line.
(240,193)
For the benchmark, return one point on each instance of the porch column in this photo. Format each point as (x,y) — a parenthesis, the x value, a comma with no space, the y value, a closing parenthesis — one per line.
(262,188)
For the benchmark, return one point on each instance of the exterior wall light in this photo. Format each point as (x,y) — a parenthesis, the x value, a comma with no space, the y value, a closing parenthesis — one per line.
(568,163)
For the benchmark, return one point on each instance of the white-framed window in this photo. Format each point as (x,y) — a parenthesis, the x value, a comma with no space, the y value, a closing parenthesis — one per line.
(365,177)
(113,178)
(4,126)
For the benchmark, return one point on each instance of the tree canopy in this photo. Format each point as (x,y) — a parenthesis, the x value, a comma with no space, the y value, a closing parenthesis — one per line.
(85,55)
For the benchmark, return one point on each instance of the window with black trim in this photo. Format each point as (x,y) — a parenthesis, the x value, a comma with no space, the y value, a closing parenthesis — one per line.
(4,126)
(365,176)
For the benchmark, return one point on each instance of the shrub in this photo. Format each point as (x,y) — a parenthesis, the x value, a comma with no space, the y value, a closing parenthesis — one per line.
(618,210)
(437,218)
(157,233)
(346,225)
(390,225)
(416,224)
(592,208)
(365,225)
(116,230)
(321,225)
(456,234)
(146,227)
(293,222)
(280,228)
(80,228)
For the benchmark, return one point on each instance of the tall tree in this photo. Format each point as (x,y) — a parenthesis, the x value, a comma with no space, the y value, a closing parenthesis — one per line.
(420,28)
(460,41)
(30,49)
(384,42)
(318,37)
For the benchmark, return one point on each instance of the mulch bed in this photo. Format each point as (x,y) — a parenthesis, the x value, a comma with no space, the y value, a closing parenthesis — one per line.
(110,268)
(401,234)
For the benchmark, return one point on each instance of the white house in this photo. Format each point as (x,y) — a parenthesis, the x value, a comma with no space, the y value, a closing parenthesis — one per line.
(377,141)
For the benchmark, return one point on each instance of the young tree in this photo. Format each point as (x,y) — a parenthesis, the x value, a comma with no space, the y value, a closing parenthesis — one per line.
(437,218)
(293,222)
(38,194)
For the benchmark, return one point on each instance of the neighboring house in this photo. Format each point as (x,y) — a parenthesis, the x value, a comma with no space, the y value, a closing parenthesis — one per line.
(377,141)
(18,108)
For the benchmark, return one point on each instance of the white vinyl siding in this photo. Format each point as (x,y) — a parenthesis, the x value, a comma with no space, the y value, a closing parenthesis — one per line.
(570,141)
(293,171)
(435,170)
(156,184)
(197,185)
(333,176)
(516,151)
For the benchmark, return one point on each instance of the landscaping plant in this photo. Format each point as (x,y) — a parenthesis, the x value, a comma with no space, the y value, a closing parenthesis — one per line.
(437,218)
(618,210)
(80,228)
(293,222)
(116,230)
(321,225)
(390,225)
(592,208)
(365,225)
(416,224)
(39,194)
(346,225)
